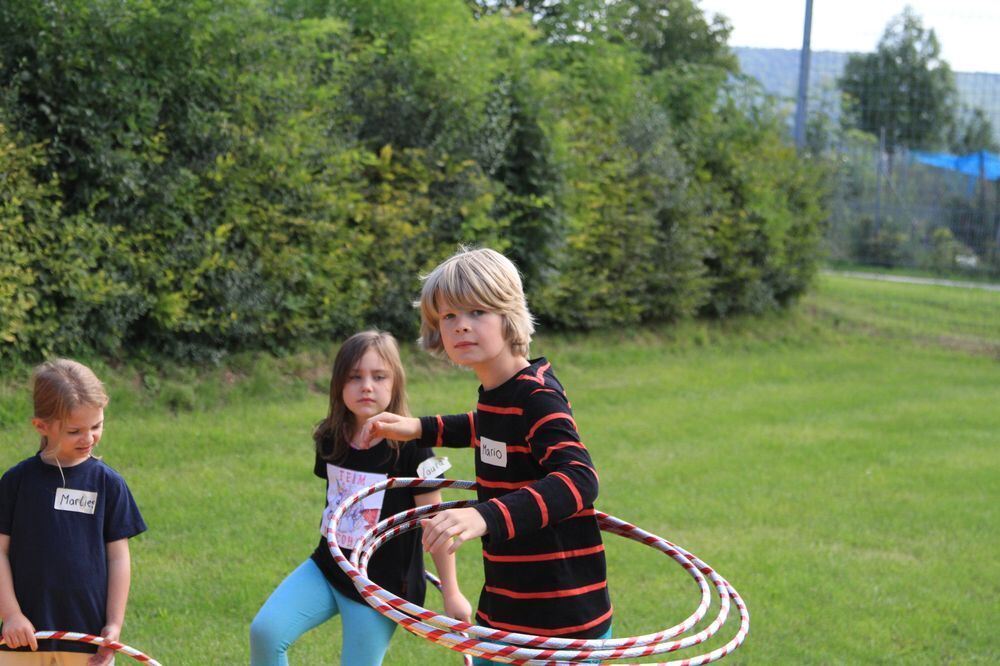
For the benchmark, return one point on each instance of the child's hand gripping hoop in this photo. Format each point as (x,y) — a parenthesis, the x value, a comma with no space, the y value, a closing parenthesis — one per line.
(94,640)
(518,648)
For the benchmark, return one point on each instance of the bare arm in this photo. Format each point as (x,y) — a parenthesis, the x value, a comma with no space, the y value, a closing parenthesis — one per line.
(455,603)
(119,581)
(390,426)
(453,430)
(17,629)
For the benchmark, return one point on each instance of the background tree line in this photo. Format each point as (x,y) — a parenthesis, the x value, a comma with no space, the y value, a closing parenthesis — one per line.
(906,91)
(898,100)
(196,176)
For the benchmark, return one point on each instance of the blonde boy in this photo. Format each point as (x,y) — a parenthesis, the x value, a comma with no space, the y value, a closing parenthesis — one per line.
(542,551)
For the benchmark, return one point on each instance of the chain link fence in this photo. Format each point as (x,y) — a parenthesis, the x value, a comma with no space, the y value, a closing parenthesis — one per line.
(916,157)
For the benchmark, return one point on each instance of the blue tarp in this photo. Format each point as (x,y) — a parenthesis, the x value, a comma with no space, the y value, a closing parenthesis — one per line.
(978,165)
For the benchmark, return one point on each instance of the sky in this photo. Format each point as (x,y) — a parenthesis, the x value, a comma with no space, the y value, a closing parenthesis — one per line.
(968,30)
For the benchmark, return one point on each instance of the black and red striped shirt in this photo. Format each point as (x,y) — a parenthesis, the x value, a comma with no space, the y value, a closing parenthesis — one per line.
(543,555)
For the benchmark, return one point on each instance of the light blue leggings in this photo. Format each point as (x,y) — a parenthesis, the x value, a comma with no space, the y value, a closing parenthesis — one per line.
(305,599)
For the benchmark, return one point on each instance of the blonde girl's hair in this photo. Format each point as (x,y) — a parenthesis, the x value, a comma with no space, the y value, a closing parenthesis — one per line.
(476,278)
(60,386)
(333,434)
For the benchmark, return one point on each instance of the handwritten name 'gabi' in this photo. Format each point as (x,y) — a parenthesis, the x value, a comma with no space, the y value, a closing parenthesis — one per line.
(80,501)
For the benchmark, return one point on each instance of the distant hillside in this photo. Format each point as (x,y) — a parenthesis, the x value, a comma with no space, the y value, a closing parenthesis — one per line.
(778,71)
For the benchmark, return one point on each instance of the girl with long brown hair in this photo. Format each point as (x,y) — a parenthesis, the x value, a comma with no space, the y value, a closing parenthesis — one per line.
(367,379)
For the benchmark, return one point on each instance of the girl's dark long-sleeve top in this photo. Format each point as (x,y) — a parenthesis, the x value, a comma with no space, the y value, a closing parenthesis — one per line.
(543,555)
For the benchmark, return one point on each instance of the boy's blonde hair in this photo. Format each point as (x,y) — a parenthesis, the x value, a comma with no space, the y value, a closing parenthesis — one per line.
(473,278)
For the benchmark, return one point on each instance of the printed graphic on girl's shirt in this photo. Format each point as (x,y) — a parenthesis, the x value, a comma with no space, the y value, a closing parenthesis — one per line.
(362,516)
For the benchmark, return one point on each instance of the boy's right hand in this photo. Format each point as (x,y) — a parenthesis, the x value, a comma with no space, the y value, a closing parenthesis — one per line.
(19,632)
(389,426)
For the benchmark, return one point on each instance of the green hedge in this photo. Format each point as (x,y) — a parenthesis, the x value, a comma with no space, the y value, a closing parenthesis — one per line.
(192,177)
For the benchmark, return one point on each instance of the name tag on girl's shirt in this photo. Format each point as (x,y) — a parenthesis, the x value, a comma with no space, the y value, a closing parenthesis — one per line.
(80,501)
(492,452)
(432,467)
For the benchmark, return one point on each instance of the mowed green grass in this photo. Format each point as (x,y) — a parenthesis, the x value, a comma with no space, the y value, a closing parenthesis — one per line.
(839,465)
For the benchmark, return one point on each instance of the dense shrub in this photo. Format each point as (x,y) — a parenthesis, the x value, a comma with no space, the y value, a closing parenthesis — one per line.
(28,212)
(191,177)
(764,211)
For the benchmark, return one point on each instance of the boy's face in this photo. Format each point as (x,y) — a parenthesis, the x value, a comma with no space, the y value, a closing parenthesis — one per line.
(72,440)
(472,337)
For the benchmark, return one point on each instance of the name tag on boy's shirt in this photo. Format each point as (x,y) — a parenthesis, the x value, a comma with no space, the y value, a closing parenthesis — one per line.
(80,501)
(492,452)
(432,467)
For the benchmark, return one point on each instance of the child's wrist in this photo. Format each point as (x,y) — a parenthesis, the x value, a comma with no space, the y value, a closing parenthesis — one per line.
(6,618)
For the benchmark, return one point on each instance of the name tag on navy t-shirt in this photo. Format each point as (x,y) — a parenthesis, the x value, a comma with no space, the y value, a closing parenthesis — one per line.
(493,452)
(80,501)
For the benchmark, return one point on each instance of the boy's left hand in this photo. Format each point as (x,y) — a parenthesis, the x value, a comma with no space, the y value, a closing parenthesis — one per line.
(104,655)
(455,526)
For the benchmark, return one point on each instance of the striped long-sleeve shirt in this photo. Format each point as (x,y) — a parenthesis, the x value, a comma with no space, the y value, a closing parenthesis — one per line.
(543,557)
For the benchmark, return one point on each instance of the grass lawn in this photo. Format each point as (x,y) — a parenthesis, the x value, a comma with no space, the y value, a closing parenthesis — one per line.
(839,464)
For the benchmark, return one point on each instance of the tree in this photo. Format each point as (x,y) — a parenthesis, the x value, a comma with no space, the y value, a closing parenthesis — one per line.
(670,32)
(973,133)
(559,21)
(904,88)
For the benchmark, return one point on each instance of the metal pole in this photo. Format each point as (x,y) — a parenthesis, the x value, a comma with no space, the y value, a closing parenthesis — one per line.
(800,105)
(996,208)
(878,181)
(983,226)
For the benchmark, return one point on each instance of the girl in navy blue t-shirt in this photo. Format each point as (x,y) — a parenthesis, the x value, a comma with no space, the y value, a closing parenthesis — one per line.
(65,521)
(367,379)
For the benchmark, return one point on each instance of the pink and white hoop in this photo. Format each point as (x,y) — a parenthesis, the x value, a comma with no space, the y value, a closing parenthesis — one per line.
(94,640)
(516,648)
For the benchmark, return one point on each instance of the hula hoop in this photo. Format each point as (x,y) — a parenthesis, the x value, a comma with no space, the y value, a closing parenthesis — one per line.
(516,648)
(94,640)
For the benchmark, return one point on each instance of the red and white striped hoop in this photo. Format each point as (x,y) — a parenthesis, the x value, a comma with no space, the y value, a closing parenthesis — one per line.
(515,648)
(94,640)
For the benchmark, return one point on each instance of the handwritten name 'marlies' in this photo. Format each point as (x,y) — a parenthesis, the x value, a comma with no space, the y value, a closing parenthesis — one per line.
(80,501)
